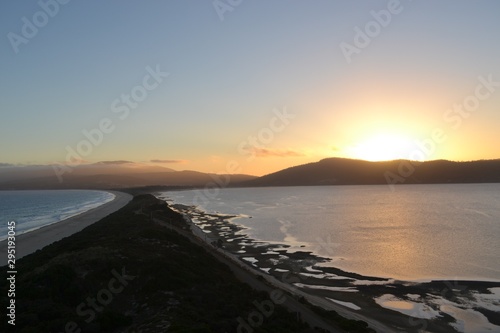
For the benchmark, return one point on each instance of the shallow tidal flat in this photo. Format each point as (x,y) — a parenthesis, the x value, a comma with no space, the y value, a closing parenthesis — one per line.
(436,306)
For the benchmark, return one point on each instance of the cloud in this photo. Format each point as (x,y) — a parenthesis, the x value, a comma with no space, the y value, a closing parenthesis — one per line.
(266,152)
(73,163)
(115,162)
(22,165)
(168,161)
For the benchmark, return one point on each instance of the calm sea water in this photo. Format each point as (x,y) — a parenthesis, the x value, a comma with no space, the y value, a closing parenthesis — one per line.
(34,209)
(417,232)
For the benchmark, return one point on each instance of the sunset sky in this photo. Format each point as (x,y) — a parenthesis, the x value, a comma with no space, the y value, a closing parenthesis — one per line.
(268,84)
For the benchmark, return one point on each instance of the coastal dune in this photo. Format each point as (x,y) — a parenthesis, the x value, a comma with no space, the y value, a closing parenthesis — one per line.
(37,239)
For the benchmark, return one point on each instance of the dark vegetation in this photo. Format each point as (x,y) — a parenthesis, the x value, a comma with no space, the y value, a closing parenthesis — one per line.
(349,325)
(167,283)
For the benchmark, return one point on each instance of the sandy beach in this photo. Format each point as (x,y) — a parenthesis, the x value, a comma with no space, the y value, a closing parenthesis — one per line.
(37,239)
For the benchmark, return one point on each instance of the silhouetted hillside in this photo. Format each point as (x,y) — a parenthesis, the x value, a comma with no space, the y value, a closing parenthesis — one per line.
(340,171)
(330,171)
(116,179)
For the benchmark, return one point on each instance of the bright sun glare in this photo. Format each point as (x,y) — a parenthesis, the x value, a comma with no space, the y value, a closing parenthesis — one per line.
(382,147)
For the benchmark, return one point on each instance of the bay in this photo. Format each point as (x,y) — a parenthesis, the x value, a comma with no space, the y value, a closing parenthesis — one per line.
(416,232)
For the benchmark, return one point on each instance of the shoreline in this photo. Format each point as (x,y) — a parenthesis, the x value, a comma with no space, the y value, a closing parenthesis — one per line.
(203,221)
(36,239)
(438,305)
(159,276)
(323,243)
(64,219)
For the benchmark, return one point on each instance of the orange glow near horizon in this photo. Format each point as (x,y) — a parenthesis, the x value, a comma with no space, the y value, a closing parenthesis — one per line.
(381,147)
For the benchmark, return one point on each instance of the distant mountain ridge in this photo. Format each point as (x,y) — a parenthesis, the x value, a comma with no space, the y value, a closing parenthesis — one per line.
(107,176)
(329,171)
(341,171)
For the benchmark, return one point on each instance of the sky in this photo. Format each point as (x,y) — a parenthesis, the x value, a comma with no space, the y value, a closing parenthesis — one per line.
(248,86)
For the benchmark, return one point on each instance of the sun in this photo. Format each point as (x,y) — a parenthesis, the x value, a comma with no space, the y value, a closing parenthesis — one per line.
(382,147)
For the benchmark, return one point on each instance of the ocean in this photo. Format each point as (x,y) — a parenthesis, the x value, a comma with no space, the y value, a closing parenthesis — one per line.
(34,209)
(417,232)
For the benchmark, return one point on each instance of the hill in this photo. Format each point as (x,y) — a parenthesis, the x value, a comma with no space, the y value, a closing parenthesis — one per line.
(340,171)
(105,176)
